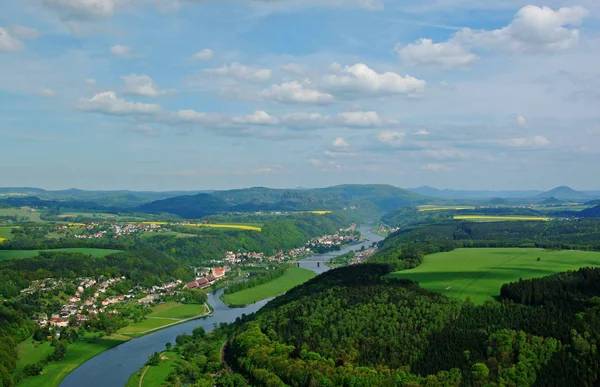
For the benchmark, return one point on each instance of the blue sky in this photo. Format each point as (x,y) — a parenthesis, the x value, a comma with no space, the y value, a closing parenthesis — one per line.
(201,94)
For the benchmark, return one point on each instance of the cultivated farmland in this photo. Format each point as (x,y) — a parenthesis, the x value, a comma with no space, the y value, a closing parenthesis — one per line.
(429,207)
(492,218)
(226,226)
(480,273)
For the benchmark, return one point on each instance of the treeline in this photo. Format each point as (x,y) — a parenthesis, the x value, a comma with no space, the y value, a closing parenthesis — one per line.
(15,326)
(145,267)
(406,248)
(255,281)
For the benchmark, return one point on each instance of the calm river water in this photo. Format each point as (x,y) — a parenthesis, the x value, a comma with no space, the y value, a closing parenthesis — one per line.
(115,366)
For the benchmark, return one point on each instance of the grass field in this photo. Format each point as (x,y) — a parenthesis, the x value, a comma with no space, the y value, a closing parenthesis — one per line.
(229,226)
(163,315)
(30,352)
(292,277)
(485,218)
(77,353)
(480,273)
(33,216)
(430,207)
(12,254)
(5,233)
(155,376)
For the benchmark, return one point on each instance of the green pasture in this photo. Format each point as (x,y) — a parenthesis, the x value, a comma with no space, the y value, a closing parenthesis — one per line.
(154,376)
(27,213)
(31,352)
(292,277)
(77,353)
(480,273)
(12,254)
(177,310)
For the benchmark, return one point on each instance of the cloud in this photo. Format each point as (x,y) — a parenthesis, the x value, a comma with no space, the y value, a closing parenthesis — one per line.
(340,143)
(293,68)
(204,55)
(526,142)
(24,32)
(360,119)
(90,81)
(83,9)
(259,117)
(435,167)
(144,129)
(522,121)
(242,73)
(141,85)
(9,43)
(360,79)
(295,92)
(445,54)
(109,103)
(122,51)
(533,30)
(315,162)
(391,138)
(46,93)
(421,133)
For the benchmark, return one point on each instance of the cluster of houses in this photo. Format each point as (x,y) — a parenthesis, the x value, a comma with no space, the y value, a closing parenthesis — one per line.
(237,258)
(207,280)
(81,306)
(362,256)
(332,240)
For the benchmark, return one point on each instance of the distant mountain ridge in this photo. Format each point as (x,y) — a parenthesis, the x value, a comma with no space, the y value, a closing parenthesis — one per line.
(564,193)
(561,193)
(372,198)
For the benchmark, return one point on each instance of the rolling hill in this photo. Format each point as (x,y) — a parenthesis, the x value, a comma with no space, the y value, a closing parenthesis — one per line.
(371,199)
(564,193)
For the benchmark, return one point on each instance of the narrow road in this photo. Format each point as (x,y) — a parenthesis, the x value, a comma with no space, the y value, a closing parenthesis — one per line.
(142,377)
(225,365)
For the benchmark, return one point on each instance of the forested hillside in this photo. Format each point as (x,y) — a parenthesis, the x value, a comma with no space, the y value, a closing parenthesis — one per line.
(349,327)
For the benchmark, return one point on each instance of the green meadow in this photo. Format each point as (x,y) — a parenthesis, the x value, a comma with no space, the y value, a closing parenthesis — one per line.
(12,254)
(154,376)
(162,315)
(480,273)
(77,353)
(293,277)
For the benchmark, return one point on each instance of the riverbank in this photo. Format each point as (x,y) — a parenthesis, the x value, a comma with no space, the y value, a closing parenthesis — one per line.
(164,316)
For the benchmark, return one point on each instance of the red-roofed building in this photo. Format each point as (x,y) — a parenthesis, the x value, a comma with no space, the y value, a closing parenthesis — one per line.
(219,272)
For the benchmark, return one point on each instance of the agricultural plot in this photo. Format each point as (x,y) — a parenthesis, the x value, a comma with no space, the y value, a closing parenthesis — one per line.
(226,226)
(291,278)
(162,315)
(5,233)
(31,352)
(493,218)
(26,214)
(480,273)
(429,207)
(15,254)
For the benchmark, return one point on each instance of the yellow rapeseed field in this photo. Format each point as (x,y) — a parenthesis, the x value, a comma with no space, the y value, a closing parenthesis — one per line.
(2,240)
(320,212)
(500,218)
(236,226)
(444,208)
(158,223)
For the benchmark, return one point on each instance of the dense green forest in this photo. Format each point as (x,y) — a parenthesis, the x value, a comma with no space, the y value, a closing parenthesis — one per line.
(350,327)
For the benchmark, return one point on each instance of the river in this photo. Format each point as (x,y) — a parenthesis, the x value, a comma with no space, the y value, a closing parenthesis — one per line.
(114,366)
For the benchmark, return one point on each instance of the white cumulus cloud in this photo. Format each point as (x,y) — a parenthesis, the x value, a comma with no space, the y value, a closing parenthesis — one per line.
(444,54)
(340,143)
(522,121)
(526,142)
(141,85)
(204,55)
(259,117)
(295,92)
(360,78)
(360,119)
(46,93)
(242,73)
(109,103)
(391,138)
(8,42)
(533,30)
